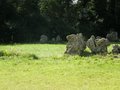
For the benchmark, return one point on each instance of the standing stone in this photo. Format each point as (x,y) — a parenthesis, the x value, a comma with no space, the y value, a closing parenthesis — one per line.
(116,49)
(113,36)
(53,39)
(101,45)
(91,44)
(43,39)
(76,44)
(98,45)
(58,38)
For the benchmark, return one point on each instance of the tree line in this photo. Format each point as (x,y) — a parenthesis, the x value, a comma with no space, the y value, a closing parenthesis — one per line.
(26,20)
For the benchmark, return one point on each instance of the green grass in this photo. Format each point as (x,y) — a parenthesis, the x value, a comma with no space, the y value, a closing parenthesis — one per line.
(55,71)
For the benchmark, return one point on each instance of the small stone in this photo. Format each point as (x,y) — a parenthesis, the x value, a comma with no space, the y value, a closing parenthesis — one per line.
(53,39)
(112,36)
(58,38)
(116,49)
(43,39)
(98,37)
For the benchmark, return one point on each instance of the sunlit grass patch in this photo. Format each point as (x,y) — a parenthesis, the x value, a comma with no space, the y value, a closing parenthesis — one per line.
(53,70)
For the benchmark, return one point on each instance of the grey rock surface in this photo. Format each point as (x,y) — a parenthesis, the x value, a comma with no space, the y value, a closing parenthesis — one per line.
(98,45)
(76,44)
(116,49)
(58,38)
(43,39)
(112,36)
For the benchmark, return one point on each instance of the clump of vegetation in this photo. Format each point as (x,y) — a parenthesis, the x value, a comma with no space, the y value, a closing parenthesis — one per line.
(7,53)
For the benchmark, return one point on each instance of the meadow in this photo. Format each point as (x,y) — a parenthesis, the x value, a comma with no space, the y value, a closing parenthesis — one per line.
(45,67)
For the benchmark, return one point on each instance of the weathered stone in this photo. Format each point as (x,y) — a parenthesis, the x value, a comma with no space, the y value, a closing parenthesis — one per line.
(112,36)
(101,45)
(98,37)
(43,39)
(97,45)
(91,44)
(76,44)
(102,42)
(58,38)
(53,39)
(116,49)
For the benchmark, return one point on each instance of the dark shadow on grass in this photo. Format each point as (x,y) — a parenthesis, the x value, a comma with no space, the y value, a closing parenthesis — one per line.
(86,54)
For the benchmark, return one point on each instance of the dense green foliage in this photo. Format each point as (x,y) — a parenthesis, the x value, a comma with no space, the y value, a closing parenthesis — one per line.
(26,20)
(19,70)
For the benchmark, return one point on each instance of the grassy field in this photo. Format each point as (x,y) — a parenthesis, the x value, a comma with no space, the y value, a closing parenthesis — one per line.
(45,67)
